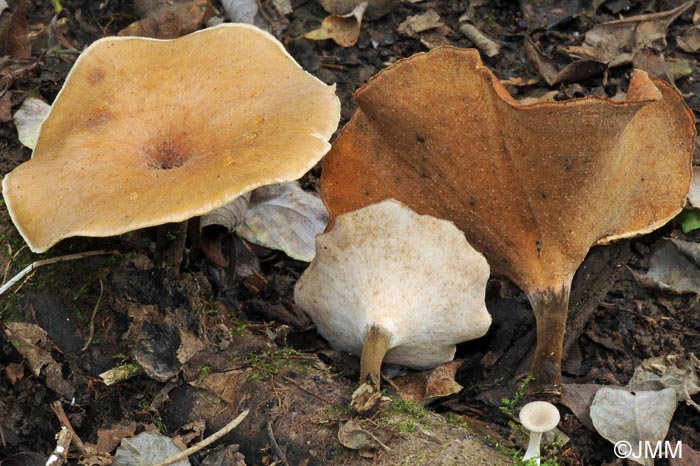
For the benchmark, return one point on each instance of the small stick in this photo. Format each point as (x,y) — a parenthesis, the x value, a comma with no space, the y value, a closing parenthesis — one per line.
(207,441)
(91,334)
(60,454)
(275,446)
(57,408)
(35,265)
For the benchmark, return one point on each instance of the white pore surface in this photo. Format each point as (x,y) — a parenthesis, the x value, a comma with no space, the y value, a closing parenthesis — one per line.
(413,275)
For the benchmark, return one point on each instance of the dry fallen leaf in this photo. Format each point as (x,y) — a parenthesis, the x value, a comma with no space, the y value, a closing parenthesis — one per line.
(14,37)
(375,8)
(615,42)
(285,217)
(578,398)
(146,448)
(343,29)
(351,435)
(673,267)
(31,342)
(173,22)
(644,416)
(28,119)
(427,386)
(689,41)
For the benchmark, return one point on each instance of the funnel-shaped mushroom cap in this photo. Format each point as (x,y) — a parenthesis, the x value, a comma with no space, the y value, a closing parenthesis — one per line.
(532,186)
(414,277)
(146,132)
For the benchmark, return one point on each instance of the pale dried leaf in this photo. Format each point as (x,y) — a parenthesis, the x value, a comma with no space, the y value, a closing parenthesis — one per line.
(229,216)
(147,448)
(670,372)
(644,416)
(351,435)
(286,218)
(419,23)
(673,267)
(694,194)
(244,11)
(615,42)
(28,119)
(171,22)
(482,41)
(343,29)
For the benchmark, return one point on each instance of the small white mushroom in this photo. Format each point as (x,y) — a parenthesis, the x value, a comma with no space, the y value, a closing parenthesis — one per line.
(538,417)
(395,286)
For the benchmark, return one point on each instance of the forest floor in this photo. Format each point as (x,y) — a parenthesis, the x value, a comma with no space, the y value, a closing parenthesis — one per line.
(195,349)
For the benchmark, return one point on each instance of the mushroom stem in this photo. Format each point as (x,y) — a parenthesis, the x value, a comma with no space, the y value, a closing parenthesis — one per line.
(374,349)
(170,245)
(533,447)
(550,307)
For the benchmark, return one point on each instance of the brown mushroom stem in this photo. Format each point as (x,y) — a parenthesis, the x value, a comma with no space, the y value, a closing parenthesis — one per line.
(374,349)
(170,245)
(550,306)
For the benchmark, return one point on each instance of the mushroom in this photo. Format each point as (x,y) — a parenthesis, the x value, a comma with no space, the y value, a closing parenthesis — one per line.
(537,417)
(147,132)
(395,286)
(533,187)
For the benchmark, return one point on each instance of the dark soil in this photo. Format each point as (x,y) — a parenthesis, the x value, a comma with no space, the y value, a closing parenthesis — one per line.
(254,349)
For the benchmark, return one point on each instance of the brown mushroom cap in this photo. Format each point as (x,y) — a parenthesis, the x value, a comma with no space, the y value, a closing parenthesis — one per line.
(146,132)
(532,186)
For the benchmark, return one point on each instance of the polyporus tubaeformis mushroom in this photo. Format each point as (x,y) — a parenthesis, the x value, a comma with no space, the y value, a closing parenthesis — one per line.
(146,132)
(532,186)
(395,286)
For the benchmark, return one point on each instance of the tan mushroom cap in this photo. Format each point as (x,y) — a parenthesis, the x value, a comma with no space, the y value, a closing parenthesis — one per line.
(532,186)
(146,132)
(413,277)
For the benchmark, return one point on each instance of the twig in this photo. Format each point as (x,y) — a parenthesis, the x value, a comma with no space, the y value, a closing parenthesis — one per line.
(207,441)
(35,265)
(60,454)
(275,446)
(91,334)
(57,408)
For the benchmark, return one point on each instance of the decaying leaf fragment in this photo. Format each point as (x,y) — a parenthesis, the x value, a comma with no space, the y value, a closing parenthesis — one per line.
(343,29)
(28,120)
(634,417)
(674,266)
(615,42)
(532,186)
(171,22)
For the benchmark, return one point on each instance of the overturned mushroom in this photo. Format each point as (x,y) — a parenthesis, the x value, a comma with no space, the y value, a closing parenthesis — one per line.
(147,132)
(395,286)
(532,186)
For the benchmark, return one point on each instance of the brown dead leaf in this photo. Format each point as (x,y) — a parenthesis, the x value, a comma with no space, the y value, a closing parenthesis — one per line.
(109,439)
(14,36)
(689,41)
(343,29)
(14,372)
(578,398)
(573,72)
(354,437)
(427,386)
(687,457)
(172,22)
(31,342)
(615,42)
(225,385)
(655,64)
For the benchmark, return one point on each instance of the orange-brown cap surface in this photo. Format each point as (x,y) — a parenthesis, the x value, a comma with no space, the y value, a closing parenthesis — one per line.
(146,132)
(532,186)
